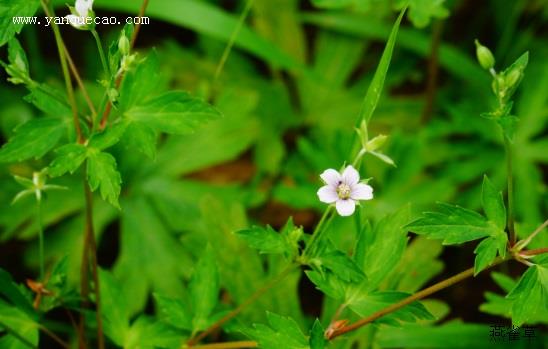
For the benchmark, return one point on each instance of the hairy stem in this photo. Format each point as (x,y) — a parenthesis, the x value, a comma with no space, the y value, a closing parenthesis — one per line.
(46,5)
(415,297)
(242,306)
(101,51)
(229,345)
(120,77)
(511,228)
(40,239)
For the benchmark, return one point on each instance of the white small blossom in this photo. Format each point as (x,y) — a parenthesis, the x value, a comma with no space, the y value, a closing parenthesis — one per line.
(345,190)
(81,10)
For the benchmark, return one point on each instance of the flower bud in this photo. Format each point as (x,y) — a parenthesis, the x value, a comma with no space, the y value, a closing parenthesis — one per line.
(376,143)
(512,77)
(123,45)
(484,55)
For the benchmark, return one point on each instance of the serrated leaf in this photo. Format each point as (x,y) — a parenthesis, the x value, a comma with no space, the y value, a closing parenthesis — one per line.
(49,100)
(102,175)
(266,240)
(174,312)
(147,333)
(366,304)
(486,251)
(174,112)
(281,330)
(493,204)
(14,8)
(317,339)
(141,83)
(18,322)
(33,139)
(453,224)
(530,295)
(68,159)
(108,137)
(204,289)
(341,265)
(18,69)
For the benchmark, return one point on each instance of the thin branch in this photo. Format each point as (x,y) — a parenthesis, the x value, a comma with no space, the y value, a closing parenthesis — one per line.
(80,83)
(523,243)
(242,306)
(510,194)
(229,345)
(433,70)
(534,252)
(54,337)
(62,57)
(415,297)
(120,77)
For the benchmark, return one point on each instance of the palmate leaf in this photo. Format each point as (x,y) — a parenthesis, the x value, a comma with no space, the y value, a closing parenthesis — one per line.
(283,331)
(493,204)
(487,251)
(267,240)
(33,139)
(453,224)
(102,175)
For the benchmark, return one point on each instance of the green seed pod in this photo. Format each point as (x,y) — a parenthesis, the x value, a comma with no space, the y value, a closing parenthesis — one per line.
(123,45)
(485,57)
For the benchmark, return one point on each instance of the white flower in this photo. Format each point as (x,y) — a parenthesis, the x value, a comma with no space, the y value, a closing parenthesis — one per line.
(344,190)
(81,10)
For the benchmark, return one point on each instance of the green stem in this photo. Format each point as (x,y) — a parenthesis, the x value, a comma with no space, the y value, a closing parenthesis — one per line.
(520,245)
(318,230)
(415,297)
(48,10)
(511,228)
(101,51)
(40,239)
(243,305)
(232,40)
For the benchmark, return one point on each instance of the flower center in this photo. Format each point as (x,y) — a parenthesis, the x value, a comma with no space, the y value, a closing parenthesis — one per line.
(343,191)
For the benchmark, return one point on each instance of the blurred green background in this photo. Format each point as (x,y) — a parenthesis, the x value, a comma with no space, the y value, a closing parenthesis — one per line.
(290,93)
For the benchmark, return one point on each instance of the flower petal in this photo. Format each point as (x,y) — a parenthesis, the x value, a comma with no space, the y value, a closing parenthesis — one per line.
(350,175)
(331,177)
(75,21)
(345,207)
(361,191)
(328,194)
(83,7)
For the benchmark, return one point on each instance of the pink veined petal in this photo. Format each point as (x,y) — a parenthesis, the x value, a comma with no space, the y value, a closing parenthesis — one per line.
(328,194)
(331,177)
(350,175)
(361,191)
(345,207)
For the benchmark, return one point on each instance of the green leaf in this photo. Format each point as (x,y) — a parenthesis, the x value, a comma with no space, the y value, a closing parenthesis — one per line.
(49,100)
(281,330)
(204,289)
(486,251)
(33,139)
(174,312)
(16,321)
(18,69)
(266,240)
(375,88)
(146,247)
(366,304)
(141,137)
(317,339)
(108,137)
(68,159)
(422,11)
(530,295)
(453,224)
(141,83)
(10,9)
(147,333)
(12,293)
(383,248)
(173,112)
(102,175)
(341,265)
(332,3)
(114,308)
(493,204)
